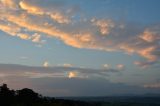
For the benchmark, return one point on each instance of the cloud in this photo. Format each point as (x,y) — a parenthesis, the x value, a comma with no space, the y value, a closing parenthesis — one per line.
(54,81)
(150,36)
(15,30)
(72,74)
(67,65)
(100,34)
(147,52)
(9,3)
(120,67)
(10,29)
(59,17)
(106,66)
(42,75)
(145,64)
(37,10)
(36,38)
(62,71)
(23,36)
(45,64)
(104,26)
(30,8)
(154,85)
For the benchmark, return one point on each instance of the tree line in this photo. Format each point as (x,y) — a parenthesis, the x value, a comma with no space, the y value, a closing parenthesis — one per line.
(27,97)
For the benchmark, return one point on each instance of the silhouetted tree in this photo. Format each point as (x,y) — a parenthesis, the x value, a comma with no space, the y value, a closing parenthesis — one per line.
(6,95)
(27,97)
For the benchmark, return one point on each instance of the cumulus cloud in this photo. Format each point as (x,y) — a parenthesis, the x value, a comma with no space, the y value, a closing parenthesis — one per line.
(45,64)
(72,74)
(106,66)
(100,34)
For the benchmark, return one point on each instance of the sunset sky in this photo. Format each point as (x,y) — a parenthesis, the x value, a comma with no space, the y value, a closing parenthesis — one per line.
(81,47)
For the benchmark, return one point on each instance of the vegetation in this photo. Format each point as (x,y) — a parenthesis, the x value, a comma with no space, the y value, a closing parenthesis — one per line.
(27,97)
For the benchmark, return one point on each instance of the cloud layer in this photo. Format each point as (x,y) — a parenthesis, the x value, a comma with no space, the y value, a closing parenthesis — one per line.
(29,19)
(66,81)
(56,71)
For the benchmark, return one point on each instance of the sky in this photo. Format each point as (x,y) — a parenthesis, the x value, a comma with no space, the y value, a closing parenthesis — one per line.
(81,47)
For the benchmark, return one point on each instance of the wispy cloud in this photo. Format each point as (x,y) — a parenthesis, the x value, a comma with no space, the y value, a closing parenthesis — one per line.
(36,10)
(67,65)
(146,64)
(10,29)
(9,3)
(94,33)
(120,67)
(55,71)
(24,57)
(104,26)
(154,85)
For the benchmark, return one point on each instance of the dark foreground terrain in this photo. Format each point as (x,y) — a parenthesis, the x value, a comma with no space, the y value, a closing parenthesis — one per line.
(147,100)
(27,97)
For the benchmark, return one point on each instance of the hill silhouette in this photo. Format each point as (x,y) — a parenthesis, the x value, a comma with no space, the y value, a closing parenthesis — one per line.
(27,97)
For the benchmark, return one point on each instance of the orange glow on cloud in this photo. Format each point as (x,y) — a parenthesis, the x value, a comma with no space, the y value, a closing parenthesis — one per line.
(72,74)
(35,18)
